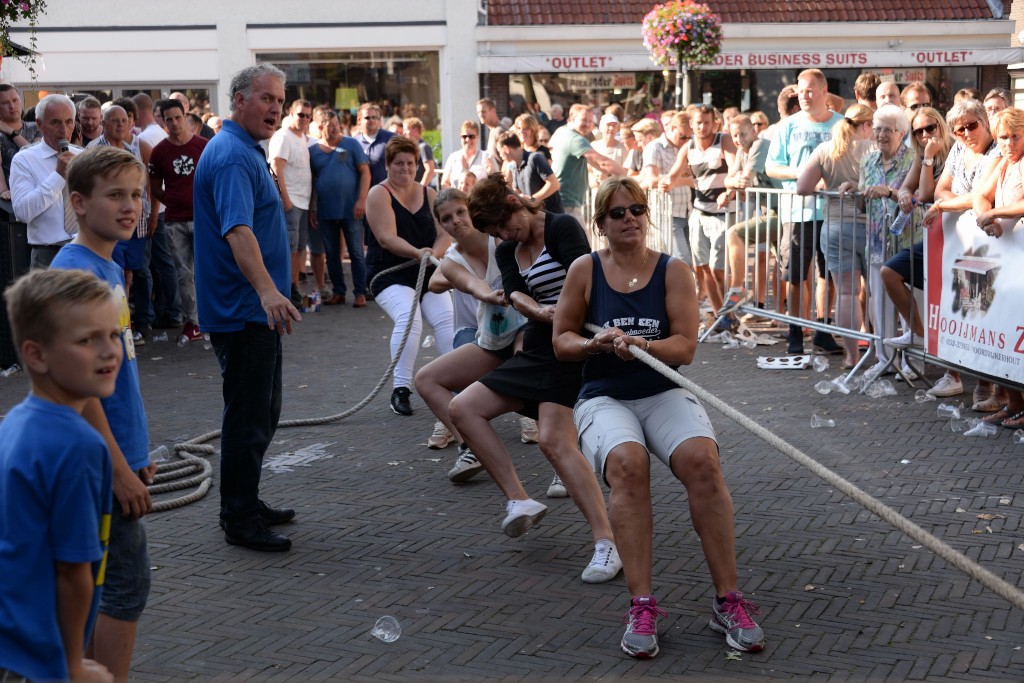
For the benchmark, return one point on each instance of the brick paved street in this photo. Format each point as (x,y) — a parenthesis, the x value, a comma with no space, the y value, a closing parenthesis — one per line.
(380,530)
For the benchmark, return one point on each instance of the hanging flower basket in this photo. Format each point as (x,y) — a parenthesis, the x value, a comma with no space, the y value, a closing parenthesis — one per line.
(682,34)
(19,11)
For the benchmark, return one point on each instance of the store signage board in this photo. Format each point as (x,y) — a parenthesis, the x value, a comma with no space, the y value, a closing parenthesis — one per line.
(580,82)
(808,59)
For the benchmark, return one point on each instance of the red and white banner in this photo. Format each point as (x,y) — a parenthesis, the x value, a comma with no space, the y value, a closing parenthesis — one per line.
(974,297)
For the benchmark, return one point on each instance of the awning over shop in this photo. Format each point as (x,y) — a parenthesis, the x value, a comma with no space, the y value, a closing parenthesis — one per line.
(805,59)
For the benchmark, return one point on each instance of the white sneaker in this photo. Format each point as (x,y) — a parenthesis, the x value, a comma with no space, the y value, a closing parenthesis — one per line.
(946,386)
(908,372)
(466,467)
(605,564)
(901,342)
(557,489)
(528,430)
(521,515)
(441,438)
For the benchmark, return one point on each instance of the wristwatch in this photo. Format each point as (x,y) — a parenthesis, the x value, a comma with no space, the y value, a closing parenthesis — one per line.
(927,162)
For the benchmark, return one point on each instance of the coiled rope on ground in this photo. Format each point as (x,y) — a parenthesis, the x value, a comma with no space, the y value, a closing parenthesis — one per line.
(190,470)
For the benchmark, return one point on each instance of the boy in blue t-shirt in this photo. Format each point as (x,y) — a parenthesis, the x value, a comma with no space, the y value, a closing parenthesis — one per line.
(106,187)
(55,477)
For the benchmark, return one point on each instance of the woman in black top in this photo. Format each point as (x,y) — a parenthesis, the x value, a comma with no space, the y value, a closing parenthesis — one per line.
(402,228)
(536,250)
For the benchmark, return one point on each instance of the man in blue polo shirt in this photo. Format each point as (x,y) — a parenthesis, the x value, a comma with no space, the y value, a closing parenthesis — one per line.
(243,274)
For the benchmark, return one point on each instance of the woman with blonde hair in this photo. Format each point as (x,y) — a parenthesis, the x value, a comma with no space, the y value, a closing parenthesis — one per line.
(528,130)
(462,161)
(843,236)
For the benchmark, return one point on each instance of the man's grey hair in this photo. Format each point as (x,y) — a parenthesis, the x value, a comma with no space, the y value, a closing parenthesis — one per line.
(243,81)
(45,103)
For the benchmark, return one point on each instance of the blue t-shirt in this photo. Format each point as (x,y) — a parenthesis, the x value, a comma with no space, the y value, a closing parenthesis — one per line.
(233,186)
(124,408)
(793,143)
(375,154)
(55,503)
(336,178)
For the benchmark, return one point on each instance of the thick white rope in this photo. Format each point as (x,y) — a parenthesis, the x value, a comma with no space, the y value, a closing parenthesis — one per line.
(189,463)
(954,557)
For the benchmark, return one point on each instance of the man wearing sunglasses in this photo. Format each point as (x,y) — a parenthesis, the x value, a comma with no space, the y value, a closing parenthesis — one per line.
(915,96)
(289,158)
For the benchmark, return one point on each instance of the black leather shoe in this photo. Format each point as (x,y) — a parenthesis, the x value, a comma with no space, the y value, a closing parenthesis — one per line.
(255,535)
(272,516)
(400,401)
(825,343)
(795,340)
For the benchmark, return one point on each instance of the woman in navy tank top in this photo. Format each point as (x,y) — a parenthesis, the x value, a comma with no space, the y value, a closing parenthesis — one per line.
(626,410)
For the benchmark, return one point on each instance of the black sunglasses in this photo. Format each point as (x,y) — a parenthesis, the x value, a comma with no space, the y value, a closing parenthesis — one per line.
(966,128)
(925,129)
(303,115)
(469,137)
(619,212)
(915,107)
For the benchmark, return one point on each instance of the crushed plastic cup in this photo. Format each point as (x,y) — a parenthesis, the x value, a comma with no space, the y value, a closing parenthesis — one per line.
(880,388)
(161,454)
(749,343)
(162,337)
(949,410)
(11,371)
(387,629)
(922,396)
(824,388)
(818,422)
(428,341)
(820,364)
(982,429)
(958,426)
(731,344)
(719,338)
(839,384)
(1018,437)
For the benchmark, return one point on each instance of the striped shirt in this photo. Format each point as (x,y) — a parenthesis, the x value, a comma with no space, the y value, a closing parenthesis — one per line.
(545,278)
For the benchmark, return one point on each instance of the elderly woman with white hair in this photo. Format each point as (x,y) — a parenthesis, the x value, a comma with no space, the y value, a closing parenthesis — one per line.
(882,172)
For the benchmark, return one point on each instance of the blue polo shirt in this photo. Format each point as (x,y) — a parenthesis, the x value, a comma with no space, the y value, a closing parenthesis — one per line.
(374,152)
(233,186)
(336,178)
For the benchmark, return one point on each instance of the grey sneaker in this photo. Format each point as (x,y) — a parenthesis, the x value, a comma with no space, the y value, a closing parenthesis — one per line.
(466,466)
(604,565)
(732,618)
(528,430)
(521,515)
(557,489)
(641,637)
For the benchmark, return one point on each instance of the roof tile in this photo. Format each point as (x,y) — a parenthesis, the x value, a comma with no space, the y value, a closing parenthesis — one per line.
(530,13)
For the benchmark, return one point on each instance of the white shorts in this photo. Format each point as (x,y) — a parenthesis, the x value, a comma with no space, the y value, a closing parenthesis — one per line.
(707,238)
(659,423)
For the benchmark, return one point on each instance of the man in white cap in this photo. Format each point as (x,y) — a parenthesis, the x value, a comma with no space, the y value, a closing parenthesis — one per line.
(609,145)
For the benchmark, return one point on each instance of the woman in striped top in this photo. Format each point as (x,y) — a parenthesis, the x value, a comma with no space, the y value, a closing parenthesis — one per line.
(536,251)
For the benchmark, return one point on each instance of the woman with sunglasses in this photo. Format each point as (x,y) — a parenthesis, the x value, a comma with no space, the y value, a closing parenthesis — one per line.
(931,141)
(999,206)
(626,410)
(843,236)
(462,160)
(967,163)
(536,250)
(882,172)
(761,124)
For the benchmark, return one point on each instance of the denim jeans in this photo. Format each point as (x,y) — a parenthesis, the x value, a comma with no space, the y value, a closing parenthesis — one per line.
(250,363)
(166,301)
(331,231)
(181,234)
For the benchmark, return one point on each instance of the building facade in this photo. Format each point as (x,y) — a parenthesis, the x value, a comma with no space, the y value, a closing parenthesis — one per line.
(435,58)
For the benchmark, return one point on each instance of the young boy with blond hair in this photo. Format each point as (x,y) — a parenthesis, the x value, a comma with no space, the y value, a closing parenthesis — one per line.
(106,185)
(55,477)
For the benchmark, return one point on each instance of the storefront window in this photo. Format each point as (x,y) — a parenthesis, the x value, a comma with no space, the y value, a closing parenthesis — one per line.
(404,83)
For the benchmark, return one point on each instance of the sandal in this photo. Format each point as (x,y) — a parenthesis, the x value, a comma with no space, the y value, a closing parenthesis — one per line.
(998,416)
(1015,421)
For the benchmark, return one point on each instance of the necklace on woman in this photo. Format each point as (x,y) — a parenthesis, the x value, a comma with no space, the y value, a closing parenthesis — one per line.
(631,283)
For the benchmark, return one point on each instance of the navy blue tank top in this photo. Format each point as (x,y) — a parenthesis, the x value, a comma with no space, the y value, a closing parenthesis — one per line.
(639,313)
(418,229)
